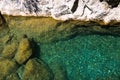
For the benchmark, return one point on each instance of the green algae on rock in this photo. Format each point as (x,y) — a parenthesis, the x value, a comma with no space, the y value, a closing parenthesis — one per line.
(24,51)
(13,58)
(36,70)
(9,50)
(7,67)
(5,39)
(45,29)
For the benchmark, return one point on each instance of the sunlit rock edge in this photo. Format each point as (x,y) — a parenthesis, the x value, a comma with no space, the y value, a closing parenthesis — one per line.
(83,10)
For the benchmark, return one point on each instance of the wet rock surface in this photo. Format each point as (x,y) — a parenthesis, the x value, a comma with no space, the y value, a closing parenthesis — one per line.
(24,51)
(16,62)
(36,70)
(49,30)
(7,67)
(9,50)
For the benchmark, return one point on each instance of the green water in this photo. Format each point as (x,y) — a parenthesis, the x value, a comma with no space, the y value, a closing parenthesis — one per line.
(89,57)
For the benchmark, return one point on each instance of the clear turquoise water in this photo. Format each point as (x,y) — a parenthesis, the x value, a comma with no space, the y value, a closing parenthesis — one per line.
(87,57)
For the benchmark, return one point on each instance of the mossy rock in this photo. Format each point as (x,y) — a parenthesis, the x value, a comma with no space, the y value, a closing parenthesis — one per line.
(24,51)
(9,50)
(5,39)
(36,70)
(7,67)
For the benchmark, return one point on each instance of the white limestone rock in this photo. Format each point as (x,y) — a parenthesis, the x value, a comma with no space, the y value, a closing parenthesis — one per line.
(85,10)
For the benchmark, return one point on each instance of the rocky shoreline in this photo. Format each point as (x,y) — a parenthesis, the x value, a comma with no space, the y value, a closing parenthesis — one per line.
(100,11)
(23,25)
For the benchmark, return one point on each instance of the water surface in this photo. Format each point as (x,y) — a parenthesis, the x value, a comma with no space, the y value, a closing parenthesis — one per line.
(89,57)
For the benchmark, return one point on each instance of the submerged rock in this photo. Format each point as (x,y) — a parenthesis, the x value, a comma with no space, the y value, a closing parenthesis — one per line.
(7,67)
(59,72)
(5,39)
(24,51)
(36,70)
(9,50)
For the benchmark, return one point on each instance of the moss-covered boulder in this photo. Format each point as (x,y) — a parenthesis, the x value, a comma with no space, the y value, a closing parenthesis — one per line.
(9,50)
(24,51)
(5,39)
(36,70)
(7,67)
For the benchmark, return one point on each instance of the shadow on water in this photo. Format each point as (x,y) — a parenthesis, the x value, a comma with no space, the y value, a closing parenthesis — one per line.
(36,49)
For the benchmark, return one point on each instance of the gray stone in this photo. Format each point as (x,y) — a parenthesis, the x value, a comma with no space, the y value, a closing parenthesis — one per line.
(104,11)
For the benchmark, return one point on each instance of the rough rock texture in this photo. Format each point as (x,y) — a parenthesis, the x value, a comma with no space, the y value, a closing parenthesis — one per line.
(12,68)
(85,10)
(9,50)
(49,29)
(35,70)
(6,67)
(24,51)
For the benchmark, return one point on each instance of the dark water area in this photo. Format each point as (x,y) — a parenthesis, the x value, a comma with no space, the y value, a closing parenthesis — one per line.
(89,57)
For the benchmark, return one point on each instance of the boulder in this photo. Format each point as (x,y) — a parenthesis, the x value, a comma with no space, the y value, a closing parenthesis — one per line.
(7,67)
(24,51)
(36,70)
(9,50)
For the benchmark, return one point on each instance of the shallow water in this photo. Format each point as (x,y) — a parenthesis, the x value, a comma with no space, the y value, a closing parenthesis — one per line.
(89,57)
(83,57)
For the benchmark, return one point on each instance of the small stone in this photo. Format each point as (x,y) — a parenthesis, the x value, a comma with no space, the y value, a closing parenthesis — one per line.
(36,70)
(24,51)
(7,67)
(9,50)
(13,76)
